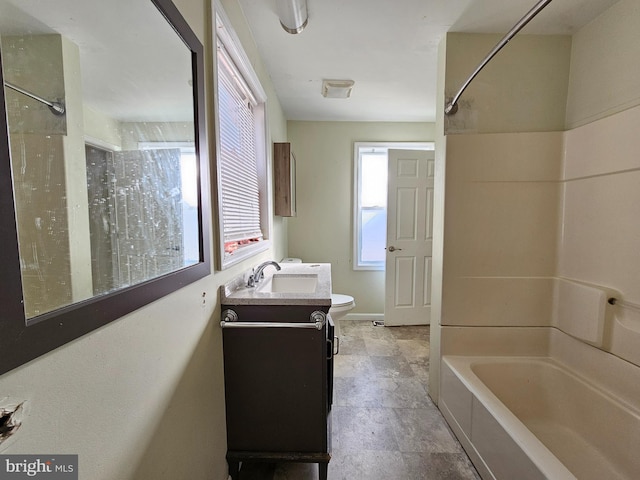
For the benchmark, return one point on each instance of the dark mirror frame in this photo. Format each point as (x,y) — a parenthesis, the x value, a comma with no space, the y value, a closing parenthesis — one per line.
(20,343)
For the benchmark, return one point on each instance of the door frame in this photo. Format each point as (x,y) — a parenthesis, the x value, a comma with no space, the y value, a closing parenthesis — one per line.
(426,145)
(357,188)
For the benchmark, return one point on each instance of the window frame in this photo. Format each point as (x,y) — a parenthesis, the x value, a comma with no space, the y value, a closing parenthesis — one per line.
(233,47)
(357,193)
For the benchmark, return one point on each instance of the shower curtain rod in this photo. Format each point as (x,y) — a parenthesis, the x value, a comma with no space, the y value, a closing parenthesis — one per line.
(55,107)
(452,107)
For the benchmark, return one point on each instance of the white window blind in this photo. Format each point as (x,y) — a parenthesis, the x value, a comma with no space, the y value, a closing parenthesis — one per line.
(238,160)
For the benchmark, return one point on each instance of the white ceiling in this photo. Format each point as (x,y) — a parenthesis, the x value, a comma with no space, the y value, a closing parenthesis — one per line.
(388,47)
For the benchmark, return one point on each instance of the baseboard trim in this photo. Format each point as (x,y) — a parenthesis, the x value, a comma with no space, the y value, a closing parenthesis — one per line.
(369,317)
(372,317)
(415,324)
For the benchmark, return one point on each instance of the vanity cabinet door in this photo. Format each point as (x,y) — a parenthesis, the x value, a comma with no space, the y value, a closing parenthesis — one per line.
(277,382)
(274,389)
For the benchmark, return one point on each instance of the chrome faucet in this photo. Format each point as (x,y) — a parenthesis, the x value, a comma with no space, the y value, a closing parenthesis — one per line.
(258,272)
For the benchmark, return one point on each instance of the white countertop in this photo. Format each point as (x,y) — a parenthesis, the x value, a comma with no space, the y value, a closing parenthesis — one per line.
(237,293)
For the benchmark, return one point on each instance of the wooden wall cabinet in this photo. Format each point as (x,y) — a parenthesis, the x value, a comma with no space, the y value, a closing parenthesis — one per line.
(284,177)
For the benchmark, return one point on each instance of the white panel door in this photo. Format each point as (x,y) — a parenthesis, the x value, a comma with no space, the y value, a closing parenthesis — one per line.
(409,237)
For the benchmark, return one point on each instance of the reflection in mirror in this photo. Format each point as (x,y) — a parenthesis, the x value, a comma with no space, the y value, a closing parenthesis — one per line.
(106,194)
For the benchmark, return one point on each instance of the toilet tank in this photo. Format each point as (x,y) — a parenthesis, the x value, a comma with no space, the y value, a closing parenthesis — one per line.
(291,260)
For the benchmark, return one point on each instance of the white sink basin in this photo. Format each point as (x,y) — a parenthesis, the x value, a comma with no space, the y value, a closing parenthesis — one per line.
(289,283)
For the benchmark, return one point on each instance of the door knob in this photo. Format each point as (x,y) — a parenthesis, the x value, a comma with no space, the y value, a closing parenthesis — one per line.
(393,249)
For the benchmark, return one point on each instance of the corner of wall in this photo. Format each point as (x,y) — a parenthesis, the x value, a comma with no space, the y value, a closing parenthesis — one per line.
(438,229)
(605,73)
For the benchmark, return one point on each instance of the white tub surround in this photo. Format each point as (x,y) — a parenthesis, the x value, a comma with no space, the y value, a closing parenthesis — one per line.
(537,232)
(547,402)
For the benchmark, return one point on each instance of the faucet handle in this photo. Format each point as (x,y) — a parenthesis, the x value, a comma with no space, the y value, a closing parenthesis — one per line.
(250,278)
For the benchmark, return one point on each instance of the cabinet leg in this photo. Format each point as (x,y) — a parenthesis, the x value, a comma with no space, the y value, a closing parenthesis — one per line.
(322,470)
(234,470)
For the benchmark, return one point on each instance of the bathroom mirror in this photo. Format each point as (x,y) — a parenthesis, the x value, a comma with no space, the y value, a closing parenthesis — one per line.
(102,166)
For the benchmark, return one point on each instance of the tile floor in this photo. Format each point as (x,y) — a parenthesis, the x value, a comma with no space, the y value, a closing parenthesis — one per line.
(385,426)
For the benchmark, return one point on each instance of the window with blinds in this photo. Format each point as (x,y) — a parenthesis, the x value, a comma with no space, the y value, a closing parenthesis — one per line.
(241,150)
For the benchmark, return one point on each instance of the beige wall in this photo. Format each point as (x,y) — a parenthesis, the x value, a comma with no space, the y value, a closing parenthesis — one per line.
(323,229)
(522,89)
(42,202)
(142,398)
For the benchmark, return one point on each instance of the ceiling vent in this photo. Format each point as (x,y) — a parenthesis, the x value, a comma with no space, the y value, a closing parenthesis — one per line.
(337,88)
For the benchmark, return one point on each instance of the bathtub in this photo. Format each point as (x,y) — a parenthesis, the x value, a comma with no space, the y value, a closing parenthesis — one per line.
(533,418)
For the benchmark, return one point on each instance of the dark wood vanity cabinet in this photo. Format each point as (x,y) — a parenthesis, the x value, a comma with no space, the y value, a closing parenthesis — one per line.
(278,386)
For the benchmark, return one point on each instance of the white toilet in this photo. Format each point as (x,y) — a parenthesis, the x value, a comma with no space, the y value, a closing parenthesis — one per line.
(340,304)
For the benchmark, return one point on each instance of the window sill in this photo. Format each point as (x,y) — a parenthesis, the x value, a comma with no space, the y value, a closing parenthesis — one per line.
(244,253)
(369,267)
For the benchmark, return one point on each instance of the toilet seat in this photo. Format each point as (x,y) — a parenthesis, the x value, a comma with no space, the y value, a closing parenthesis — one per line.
(341,305)
(339,300)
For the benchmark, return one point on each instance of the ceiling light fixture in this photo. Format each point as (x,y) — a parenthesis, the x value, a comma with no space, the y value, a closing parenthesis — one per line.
(337,88)
(293,15)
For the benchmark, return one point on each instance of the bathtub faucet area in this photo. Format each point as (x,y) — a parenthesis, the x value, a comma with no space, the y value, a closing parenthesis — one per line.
(564,407)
